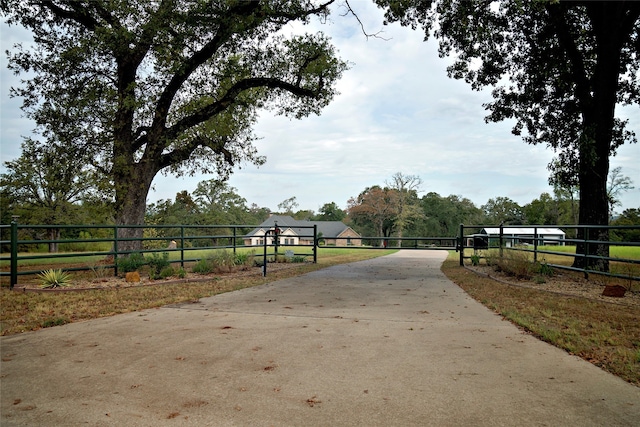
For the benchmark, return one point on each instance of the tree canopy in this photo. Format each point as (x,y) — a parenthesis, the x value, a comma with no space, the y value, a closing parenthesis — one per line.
(170,86)
(376,207)
(558,68)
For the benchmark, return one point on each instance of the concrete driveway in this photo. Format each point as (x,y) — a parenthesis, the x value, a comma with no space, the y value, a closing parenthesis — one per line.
(384,342)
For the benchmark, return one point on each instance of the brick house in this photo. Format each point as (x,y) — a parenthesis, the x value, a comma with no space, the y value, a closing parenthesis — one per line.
(295,232)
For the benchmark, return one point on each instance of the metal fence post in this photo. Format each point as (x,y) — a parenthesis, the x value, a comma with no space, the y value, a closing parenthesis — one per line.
(14,251)
(115,250)
(586,265)
(535,244)
(500,239)
(461,244)
(276,237)
(315,243)
(182,246)
(264,258)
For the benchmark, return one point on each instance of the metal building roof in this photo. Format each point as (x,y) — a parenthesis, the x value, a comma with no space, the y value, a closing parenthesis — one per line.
(523,231)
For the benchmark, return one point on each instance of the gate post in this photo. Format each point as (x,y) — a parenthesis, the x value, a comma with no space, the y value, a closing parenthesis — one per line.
(14,251)
(264,259)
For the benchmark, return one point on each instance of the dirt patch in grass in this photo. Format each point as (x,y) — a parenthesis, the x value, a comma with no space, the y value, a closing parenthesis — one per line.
(566,311)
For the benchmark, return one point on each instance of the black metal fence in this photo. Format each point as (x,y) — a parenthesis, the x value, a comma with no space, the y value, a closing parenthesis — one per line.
(394,242)
(539,241)
(22,242)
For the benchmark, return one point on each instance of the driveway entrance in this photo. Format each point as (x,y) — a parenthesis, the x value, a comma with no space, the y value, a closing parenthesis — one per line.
(384,342)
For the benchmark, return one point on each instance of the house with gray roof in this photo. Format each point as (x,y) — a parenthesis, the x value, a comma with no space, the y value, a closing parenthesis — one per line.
(296,232)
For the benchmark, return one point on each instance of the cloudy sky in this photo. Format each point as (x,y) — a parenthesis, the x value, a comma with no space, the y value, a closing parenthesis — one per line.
(397,112)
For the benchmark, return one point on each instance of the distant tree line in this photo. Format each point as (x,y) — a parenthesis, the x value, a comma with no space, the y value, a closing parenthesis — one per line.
(399,208)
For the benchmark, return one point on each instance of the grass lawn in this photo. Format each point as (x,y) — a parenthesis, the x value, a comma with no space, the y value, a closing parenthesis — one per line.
(605,334)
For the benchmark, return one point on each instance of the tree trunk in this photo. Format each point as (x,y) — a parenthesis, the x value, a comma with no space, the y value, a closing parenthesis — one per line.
(131,202)
(596,141)
(593,211)
(54,234)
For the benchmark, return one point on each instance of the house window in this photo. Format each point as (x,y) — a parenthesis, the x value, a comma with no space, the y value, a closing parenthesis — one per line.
(348,241)
(261,241)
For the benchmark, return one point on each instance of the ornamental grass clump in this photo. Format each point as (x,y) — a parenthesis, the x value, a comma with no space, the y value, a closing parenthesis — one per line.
(511,262)
(50,279)
(244,260)
(223,261)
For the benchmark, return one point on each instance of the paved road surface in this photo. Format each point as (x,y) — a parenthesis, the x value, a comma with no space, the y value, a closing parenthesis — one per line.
(384,342)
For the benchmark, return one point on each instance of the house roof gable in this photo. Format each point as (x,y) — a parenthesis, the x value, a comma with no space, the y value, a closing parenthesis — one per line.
(329,229)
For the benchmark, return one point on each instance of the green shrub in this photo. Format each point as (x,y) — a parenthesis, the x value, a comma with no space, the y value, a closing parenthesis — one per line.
(297,258)
(204,266)
(168,271)
(475,259)
(54,279)
(244,260)
(132,262)
(221,261)
(181,273)
(157,263)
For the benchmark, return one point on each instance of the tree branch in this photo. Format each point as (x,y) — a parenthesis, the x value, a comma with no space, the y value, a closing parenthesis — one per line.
(78,13)
(367,35)
(183,153)
(243,9)
(558,21)
(197,59)
(232,94)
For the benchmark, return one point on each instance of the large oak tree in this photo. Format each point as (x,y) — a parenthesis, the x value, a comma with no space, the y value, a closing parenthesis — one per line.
(166,86)
(558,68)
